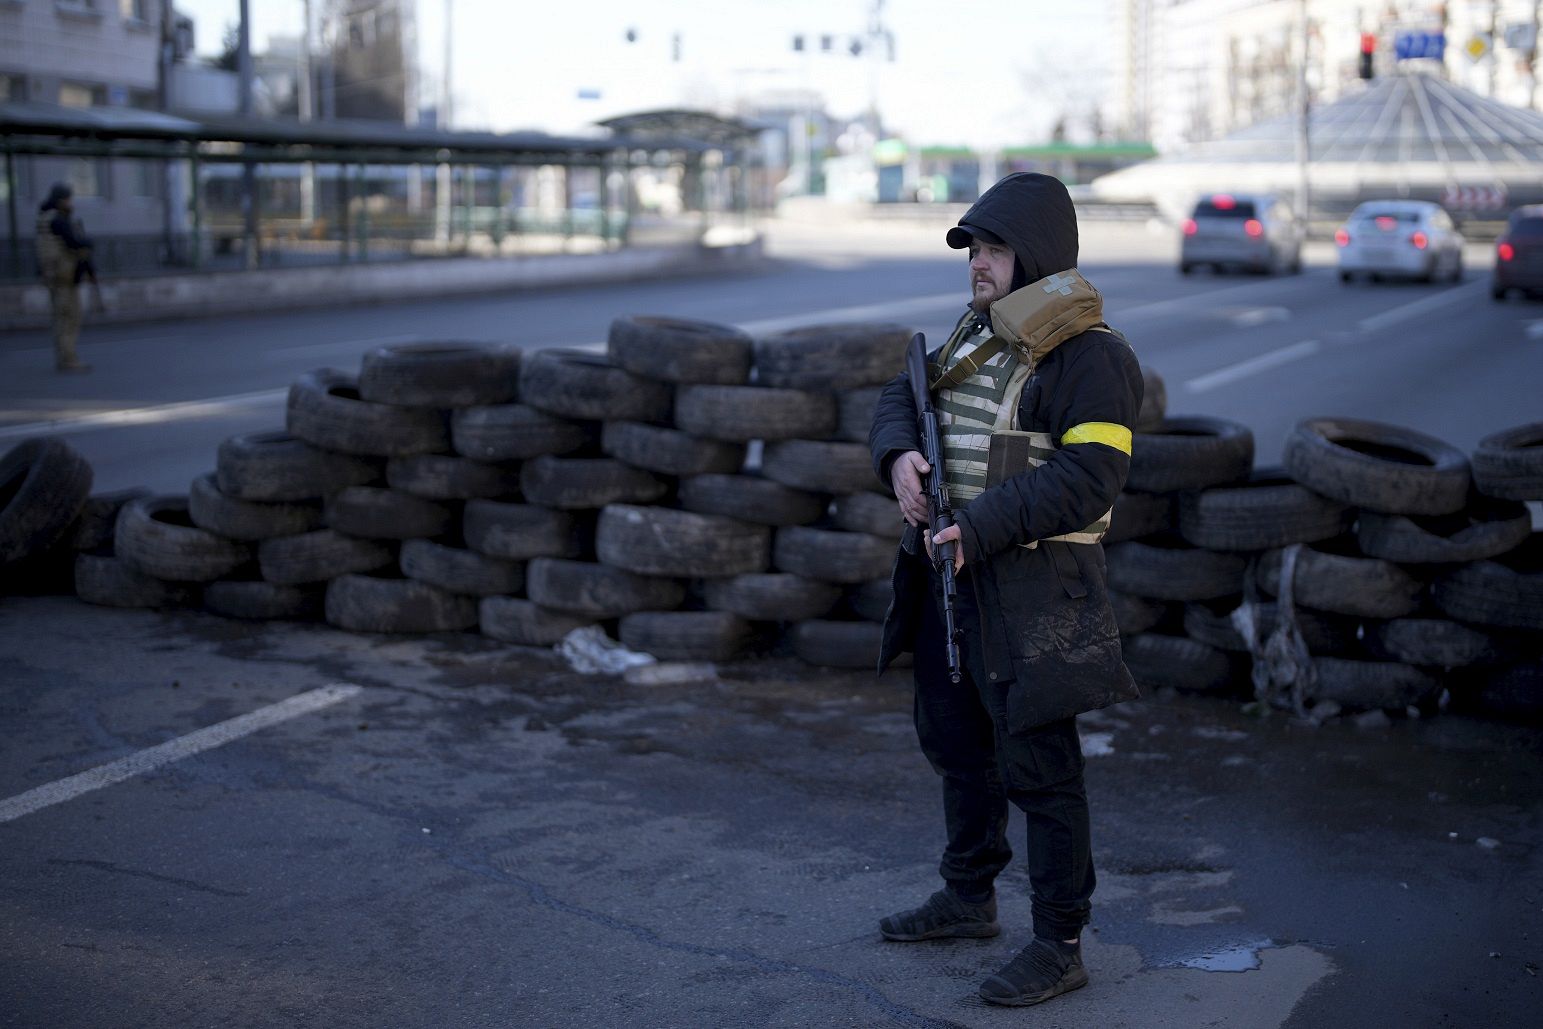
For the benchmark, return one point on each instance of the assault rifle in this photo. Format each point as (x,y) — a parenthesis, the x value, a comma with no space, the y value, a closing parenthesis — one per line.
(940,511)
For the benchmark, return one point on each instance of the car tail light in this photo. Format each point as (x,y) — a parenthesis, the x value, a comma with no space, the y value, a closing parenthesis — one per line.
(1223,202)
(1419,240)
(1342,237)
(1253,228)
(1505,251)
(1386,224)
(1190,228)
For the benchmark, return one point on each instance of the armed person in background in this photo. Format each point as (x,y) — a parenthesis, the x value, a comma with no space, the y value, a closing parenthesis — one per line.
(1036,396)
(64,257)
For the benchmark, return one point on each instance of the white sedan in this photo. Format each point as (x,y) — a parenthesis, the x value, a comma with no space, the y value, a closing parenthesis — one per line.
(1400,239)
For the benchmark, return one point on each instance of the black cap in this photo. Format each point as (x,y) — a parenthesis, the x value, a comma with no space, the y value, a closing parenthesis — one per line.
(963,234)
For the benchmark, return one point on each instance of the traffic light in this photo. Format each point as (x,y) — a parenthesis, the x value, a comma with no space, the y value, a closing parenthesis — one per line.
(1368,49)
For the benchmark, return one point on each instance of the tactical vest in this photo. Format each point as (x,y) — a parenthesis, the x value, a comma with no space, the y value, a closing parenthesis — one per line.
(979,378)
(55,262)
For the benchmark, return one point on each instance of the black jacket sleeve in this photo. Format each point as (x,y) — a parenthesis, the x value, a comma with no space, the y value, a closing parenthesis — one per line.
(893,431)
(1098,381)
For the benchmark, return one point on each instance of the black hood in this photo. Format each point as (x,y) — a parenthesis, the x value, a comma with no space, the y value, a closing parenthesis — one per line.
(1033,214)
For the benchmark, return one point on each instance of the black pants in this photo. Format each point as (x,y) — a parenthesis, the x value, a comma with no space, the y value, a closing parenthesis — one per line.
(963,732)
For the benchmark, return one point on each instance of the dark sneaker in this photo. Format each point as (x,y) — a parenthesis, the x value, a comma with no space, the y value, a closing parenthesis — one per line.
(1040,971)
(944,915)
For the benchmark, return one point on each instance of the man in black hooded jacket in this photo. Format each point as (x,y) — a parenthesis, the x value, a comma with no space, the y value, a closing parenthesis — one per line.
(1036,396)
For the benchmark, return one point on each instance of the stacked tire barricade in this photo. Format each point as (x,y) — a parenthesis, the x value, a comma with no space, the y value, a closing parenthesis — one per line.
(1376,569)
(699,494)
(702,496)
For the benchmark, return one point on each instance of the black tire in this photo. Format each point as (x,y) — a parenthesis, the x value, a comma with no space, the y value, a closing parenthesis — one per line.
(831,555)
(869,600)
(256,600)
(372,512)
(1268,510)
(598,590)
(750,498)
(854,412)
(519,532)
(1432,642)
(819,466)
(872,513)
(1509,464)
(1158,661)
(526,623)
(44,484)
(830,644)
(1164,568)
(667,451)
(248,520)
(579,483)
(1379,467)
(1210,622)
(319,556)
(579,384)
(1506,592)
(680,350)
(685,635)
(1344,583)
(1154,402)
(1139,514)
(440,374)
(742,413)
(446,477)
(1369,685)
(325,409)
(275,467)
(1136,614)
(667,542)
(109,582)
(1191,452)
(457,570)
(365,603)
(156,536)
(771,596)
(832,357)
(93,527)
(515,432)
(1483,530)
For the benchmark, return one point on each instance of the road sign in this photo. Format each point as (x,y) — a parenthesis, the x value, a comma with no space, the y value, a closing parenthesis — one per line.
(1477,47)
(1415,45)
(1474,198)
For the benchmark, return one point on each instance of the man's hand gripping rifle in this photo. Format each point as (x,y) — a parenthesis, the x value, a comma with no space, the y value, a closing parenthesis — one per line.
(940,512)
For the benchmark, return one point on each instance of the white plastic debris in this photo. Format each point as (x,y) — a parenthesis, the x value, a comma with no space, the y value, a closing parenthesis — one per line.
(663,673)
(1487,842)
(589,651)
(1097,744)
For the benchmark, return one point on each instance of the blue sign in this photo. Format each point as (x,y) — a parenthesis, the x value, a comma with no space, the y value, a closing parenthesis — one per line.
(1411,45)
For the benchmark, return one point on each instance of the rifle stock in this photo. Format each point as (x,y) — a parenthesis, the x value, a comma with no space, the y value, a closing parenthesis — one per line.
(939,509)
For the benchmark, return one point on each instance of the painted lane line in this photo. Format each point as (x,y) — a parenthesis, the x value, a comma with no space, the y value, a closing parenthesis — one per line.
(886,311)
(1249,317)
(1253,366)
(181,410)
(1535,329)
(1418,307)
(173,750)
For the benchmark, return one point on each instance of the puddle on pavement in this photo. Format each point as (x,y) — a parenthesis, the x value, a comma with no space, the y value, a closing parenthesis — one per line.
(1242,958)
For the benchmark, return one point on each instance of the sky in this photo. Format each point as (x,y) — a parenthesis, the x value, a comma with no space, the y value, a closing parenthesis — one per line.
(966,72)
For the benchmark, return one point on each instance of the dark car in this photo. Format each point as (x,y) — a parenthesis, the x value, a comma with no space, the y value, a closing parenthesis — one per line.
(1519,254)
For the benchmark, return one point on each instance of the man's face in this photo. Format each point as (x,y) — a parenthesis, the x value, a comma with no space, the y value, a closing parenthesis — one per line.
(991,274)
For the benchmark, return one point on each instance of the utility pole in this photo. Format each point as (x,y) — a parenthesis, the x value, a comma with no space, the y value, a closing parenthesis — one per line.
(244,102)
(442,176)
(1532,55)
(1494,45)
(307,113)
(1303,154)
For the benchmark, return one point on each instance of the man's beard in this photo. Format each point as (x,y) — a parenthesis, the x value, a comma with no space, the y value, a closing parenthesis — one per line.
(981,303)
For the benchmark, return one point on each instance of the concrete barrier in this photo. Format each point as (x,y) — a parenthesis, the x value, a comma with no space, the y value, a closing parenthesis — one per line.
(25,306)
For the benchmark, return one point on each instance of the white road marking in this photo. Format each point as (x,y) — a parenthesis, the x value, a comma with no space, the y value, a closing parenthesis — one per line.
(179,411)
(1254,365)
(1416,308)
(1535,329)
(173,750)
(1248,317)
